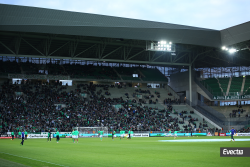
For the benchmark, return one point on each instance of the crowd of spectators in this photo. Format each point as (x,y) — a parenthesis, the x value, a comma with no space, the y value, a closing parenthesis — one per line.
(245,130)
(45,106)
(169,101)
(236,113)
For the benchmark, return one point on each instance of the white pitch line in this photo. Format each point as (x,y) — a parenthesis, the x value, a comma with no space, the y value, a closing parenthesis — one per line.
(33,159)
(202,140)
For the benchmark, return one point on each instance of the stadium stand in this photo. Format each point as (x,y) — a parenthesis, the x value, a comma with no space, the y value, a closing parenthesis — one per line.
(127,73)
(37,108)
(146,74)
(223,84)
(246,89)
(29,68)
(9,67)
(152,75)
(234,111)
(236,84)
(78,71)
(213,84)
(245,129)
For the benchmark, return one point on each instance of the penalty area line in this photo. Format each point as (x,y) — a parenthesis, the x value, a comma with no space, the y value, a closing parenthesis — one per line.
(32,159)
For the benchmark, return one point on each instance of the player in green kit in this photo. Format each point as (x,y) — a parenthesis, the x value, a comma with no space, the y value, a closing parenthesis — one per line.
(113,135)
(129,135)
(19,134)
(57,136)
(49,137)
(76,135)
(26,135)
(12,135)
(122,133)
(175,134)
(100,134)
(73,136)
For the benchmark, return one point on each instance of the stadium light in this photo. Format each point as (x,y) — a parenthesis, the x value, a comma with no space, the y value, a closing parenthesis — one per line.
(230,50)
(163,46)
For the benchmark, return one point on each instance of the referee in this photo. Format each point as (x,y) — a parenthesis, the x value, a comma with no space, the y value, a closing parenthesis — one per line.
(233,131)
(22,138)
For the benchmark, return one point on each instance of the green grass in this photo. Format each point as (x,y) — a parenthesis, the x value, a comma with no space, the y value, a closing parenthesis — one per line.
(6,163)
(136,152)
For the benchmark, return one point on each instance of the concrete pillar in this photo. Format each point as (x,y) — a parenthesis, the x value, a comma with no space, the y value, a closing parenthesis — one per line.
(190,83)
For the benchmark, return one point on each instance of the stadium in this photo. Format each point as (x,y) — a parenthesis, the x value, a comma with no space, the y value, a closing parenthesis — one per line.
(80,89)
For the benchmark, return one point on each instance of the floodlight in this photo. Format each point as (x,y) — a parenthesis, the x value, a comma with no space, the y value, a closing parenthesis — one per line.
(161,46)
(223,48)
(232,50)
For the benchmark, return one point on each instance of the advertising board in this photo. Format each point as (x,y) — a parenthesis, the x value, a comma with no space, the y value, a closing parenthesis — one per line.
(36,136)
(172,134)
(140,135)
(222,134)
(209,134)
(7,137)
(243,134)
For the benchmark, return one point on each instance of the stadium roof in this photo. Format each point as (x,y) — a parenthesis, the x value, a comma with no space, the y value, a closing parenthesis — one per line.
(106,38)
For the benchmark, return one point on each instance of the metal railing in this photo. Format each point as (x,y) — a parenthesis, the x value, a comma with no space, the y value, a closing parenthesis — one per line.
(234,94)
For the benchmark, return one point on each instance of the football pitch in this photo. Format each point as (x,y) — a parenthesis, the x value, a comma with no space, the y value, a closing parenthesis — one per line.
(142,152)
